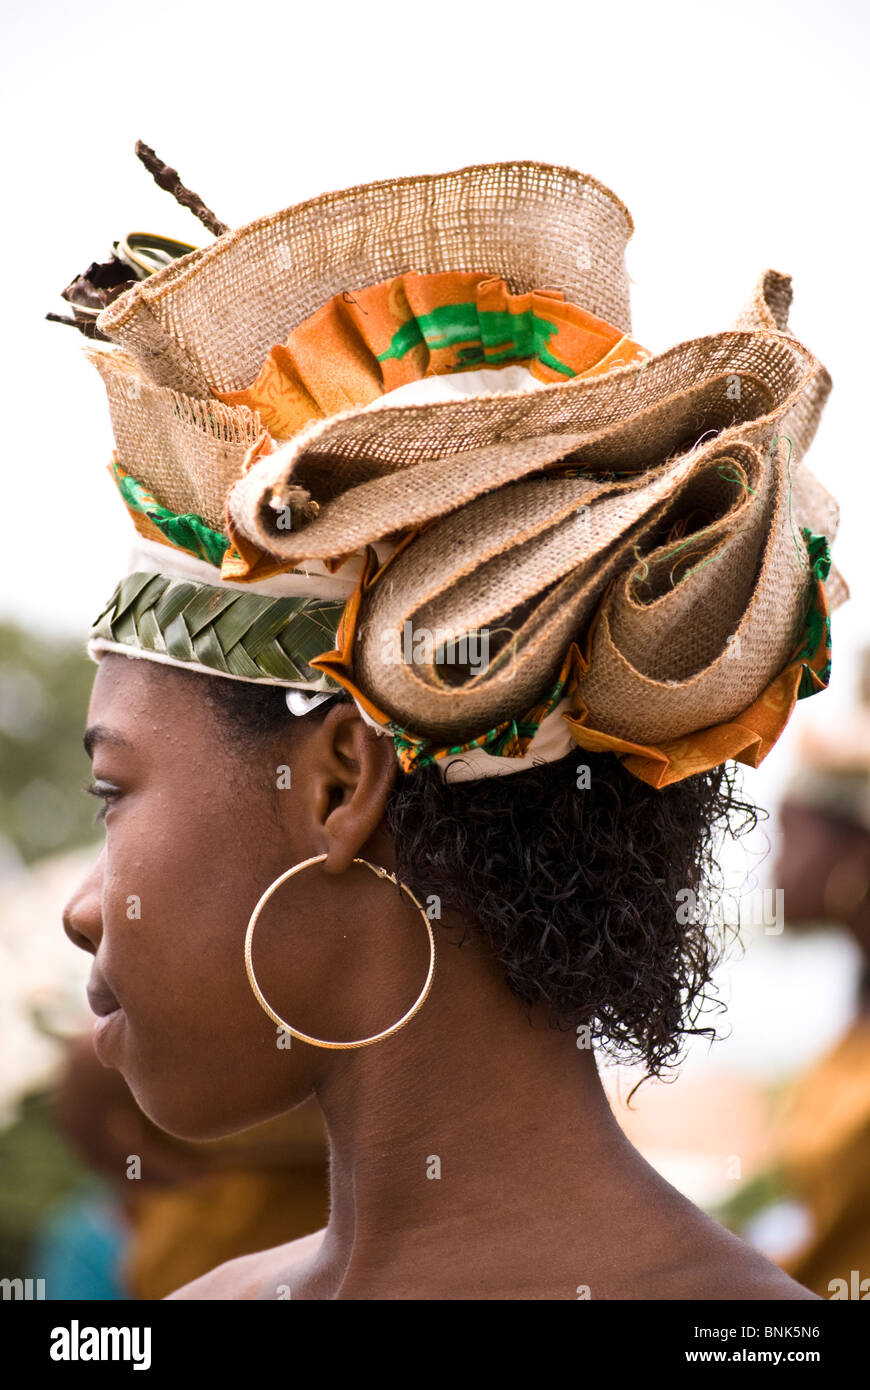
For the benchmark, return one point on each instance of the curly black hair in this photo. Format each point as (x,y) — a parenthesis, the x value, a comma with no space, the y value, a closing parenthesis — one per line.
(573,877)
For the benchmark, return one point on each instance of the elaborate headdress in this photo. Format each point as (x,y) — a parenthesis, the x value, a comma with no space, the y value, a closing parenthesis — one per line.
(399,439)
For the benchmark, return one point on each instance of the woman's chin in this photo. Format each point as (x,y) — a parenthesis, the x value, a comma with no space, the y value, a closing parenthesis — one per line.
(199,1117)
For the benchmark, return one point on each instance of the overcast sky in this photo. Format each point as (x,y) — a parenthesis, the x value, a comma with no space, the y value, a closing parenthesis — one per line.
(736,134)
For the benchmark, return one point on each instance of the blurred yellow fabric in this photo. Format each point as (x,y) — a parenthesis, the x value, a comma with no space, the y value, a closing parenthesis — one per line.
(826,1160)
(179,1233)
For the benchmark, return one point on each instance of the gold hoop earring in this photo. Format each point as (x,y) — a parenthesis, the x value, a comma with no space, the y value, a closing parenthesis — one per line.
(276,1018)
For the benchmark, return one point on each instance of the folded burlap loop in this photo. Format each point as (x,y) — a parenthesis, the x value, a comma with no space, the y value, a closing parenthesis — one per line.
(704,648)
(517,572)
(376,472)
(701,582)
(206,323)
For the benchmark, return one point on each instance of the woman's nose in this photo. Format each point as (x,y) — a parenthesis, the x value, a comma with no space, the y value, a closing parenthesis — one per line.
(82,917)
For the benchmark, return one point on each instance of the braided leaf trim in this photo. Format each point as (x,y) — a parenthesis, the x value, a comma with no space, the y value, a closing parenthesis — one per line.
(238,634)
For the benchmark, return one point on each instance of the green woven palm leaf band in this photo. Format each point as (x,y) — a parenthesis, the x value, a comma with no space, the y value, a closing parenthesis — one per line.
(249,636)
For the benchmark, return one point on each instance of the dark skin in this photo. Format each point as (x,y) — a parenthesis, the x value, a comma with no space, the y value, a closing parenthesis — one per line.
(540,1194)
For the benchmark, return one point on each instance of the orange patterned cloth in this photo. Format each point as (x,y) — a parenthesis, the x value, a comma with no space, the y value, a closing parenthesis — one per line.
(748,738)
(363,344)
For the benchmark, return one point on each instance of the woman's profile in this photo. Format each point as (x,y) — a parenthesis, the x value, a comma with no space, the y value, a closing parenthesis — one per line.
(414,721)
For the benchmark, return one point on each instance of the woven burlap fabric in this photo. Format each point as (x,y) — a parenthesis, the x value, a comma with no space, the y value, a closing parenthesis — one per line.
(376,472)
(187,452)
(667,658)
(749,623)
(549,544)
(768,307)
(769,304)
(206,322)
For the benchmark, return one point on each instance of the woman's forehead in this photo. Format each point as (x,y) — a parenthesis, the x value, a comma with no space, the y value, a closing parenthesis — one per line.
(143,697)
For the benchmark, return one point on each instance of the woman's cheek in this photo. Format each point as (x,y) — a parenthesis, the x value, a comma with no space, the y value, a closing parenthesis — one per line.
(126,899)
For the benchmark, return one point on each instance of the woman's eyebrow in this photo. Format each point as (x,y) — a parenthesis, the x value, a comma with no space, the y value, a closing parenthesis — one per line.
(98,733)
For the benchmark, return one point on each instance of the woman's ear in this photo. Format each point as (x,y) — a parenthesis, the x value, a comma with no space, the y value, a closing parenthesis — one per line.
(350,773)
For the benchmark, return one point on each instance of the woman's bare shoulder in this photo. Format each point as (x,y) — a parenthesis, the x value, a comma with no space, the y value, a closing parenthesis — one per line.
(249,1276)
(714,1264)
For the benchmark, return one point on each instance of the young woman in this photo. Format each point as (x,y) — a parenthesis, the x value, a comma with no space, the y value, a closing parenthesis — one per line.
(418,866)
(474,1154)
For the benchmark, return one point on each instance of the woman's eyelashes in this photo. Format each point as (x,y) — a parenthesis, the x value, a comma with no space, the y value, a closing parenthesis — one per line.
(106,792)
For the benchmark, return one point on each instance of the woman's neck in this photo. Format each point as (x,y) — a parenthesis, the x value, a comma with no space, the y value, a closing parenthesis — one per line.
(473,1134)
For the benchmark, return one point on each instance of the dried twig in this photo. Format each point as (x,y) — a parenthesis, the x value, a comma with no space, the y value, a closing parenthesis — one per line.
(86,326)
(168,178)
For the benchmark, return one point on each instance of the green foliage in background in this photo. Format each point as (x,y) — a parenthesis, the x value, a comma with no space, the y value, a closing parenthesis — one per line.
(37,1170)
(45,685)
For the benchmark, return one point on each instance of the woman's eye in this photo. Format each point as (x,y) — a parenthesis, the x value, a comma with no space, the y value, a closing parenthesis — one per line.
(106,793)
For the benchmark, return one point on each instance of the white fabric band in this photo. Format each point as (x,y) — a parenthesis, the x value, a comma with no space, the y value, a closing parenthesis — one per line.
(312,581)
(552,742)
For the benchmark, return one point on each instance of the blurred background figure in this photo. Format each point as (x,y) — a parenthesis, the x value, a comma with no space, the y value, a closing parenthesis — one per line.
(807,1205)
(824,871)
(153,1212)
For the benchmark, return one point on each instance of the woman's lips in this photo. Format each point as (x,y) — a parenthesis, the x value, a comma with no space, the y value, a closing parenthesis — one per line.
(109,1014)
(101,998)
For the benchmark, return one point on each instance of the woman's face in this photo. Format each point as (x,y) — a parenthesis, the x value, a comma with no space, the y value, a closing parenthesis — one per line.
(198,823)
